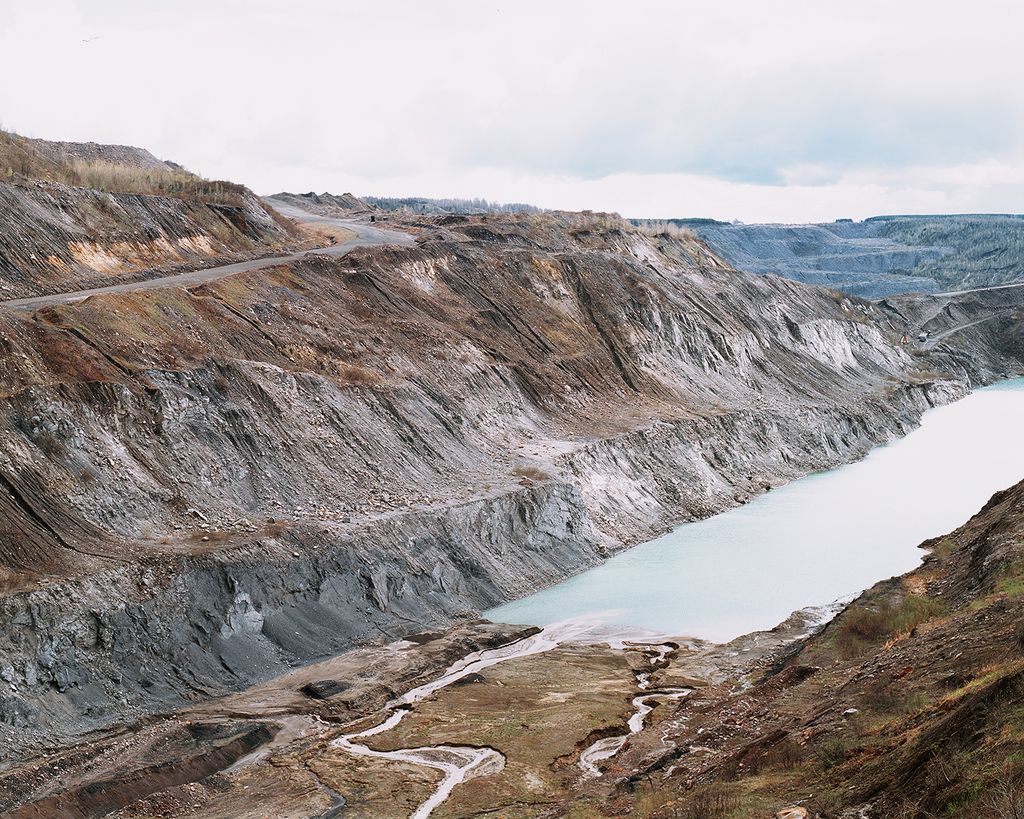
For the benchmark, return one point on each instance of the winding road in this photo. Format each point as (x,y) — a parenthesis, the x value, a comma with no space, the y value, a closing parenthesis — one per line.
(937,337)
(365,236)
(981,289)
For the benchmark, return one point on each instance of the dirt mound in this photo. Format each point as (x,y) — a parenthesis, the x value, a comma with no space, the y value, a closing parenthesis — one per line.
(91,152)
(325,204)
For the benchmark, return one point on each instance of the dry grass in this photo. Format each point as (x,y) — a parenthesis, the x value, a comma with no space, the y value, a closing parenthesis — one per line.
(1006,799)
(531,473)
(108,176)
(715,800)
(330,234)
(834,751)
(785,755)
(862,626)
(20,158)
(352,375)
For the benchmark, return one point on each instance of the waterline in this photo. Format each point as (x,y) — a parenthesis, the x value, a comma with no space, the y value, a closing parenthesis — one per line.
(813,541)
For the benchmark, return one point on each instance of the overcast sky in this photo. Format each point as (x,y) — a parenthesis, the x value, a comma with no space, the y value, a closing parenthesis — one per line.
(761,111)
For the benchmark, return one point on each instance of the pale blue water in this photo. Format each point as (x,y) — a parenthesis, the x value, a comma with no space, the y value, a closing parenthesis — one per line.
(809,543)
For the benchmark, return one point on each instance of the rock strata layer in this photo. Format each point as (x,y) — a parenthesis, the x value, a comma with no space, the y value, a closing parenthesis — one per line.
(200,489)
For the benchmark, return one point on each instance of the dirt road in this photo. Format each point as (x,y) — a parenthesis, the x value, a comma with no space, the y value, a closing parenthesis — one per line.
(365,236)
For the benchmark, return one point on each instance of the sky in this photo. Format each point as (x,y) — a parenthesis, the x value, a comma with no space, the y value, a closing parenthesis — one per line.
(779,111)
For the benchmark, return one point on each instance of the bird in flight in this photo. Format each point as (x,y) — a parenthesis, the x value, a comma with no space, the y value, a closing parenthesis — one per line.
(90,39)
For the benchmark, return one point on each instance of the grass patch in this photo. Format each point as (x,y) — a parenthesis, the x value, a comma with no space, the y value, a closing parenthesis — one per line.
(834,751)
(944,548)
(716,800)
(862,627)
(885,697)
(785,755)
(1011,580)
(985,676)
(24,157)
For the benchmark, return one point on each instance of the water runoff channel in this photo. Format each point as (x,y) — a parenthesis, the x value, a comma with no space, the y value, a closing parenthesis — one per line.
(817,540)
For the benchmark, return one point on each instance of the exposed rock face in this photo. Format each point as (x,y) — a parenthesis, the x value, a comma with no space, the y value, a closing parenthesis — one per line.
(200,489)
(56,237)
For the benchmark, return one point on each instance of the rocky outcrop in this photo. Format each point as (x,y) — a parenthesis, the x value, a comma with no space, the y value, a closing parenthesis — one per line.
(57,237)
(204,488)
(156,635)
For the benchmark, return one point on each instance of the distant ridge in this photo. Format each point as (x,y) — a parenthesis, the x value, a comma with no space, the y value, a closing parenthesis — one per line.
(879,256)
(441,207)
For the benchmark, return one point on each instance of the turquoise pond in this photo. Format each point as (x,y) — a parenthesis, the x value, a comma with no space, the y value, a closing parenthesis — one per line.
(816,540)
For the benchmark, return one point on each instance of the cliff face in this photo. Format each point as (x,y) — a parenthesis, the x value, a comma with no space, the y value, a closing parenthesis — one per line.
(202,488)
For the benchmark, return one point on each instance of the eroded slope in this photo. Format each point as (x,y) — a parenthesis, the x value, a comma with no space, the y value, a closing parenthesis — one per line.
(78,215)
(204,488)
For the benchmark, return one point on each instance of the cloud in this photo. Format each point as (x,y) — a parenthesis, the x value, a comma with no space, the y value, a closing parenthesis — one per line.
(765,109)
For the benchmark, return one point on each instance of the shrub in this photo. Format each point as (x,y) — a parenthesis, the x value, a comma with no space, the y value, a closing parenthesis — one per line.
(886,697)
(532,473)
(861,626)
(785,754)
(714,801)
(833,751)
(1006,799)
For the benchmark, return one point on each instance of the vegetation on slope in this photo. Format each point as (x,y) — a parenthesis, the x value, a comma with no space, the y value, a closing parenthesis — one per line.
(37,159)
(75,215)
(986,250)
(909,704)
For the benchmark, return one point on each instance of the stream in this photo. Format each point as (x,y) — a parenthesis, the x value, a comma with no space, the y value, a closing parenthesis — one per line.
(457,762)
(644,703)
